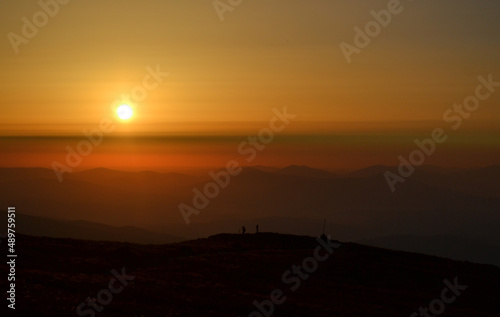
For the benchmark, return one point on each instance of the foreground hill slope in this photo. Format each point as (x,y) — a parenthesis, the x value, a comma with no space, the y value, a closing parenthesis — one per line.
(223,275)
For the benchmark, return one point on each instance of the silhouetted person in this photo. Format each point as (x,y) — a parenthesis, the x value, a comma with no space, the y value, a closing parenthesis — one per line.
(324,237)
(257,229)
(243,229)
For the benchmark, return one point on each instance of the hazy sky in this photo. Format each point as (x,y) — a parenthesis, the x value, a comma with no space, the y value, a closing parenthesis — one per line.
(225,77)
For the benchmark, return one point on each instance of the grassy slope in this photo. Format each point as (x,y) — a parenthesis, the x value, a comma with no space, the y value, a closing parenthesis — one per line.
(224,274)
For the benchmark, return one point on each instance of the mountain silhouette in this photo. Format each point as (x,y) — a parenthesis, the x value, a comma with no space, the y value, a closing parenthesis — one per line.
(227,274)
(358,206)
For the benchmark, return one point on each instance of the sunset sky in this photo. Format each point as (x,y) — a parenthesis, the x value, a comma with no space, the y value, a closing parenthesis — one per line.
(226,77)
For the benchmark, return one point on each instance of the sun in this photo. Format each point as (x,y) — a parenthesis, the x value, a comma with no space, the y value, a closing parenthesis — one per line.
(124,112)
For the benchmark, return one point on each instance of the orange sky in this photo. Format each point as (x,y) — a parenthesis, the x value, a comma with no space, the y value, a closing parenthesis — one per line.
(225,78)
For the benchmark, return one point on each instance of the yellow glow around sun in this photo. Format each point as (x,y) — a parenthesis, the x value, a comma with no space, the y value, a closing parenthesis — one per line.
(124,112)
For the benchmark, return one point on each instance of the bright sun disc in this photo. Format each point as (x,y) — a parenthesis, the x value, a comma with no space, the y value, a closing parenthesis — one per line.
(124,112)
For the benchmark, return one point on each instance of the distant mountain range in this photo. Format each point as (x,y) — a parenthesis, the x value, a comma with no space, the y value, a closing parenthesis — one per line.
(359,205)
(448,246)
(85,230)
